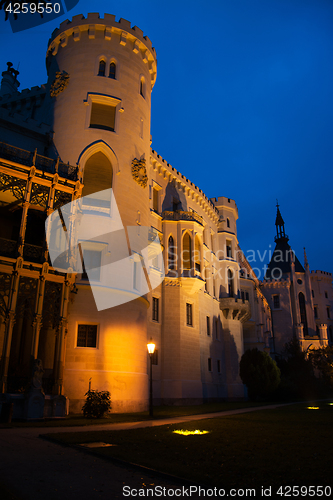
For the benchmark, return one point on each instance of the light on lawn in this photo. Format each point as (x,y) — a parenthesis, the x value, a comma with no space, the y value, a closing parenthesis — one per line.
(313,407)
(190,433)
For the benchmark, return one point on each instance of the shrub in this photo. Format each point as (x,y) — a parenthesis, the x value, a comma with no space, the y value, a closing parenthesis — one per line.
(97,403)
(259,373)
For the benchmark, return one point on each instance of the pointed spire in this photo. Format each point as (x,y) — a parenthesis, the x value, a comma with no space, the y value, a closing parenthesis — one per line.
(306,264)
(279,223)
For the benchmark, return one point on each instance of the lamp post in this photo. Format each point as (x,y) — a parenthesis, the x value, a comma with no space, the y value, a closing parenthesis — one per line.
(151,350)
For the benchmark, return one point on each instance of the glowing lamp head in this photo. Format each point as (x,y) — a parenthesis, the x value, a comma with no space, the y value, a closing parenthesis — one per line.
(151,346)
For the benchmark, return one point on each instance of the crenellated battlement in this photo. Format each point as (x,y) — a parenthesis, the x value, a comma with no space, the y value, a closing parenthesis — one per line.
(140,44)
(166,170)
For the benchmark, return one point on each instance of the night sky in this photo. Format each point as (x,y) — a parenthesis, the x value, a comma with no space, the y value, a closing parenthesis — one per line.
(242,105)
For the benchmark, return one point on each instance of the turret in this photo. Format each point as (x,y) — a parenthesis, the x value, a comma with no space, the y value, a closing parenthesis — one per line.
(9,82)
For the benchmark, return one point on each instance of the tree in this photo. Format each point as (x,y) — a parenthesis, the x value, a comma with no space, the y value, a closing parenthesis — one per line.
(322,360)
(259,373)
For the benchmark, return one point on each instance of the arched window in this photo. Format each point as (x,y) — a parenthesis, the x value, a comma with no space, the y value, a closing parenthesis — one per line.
(101,69)
(302,310)
(228,222)
(187,252)
(142,86)
(97,176)
(197,255)
(112,71)
(171,253)
(230,283)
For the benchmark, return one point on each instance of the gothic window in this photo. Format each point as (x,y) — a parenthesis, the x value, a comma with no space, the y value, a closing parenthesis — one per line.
(112,71)
(155,199)
(302,309)
(142,86)
(187,252)
(171,253)
(93,183)
(101,69)
(197,255)
(87,336)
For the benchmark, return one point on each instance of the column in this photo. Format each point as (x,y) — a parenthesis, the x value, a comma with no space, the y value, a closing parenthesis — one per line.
(26,204)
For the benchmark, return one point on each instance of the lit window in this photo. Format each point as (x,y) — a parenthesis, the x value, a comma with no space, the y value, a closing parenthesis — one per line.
(208,325)
(189,319)
(112,71)
(87,336)
(276,301)
(187,252)
(209,364)
(155,308)
(101,69)
(102,116)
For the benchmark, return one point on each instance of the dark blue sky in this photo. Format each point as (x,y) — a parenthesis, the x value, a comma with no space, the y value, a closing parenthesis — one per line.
(243,105)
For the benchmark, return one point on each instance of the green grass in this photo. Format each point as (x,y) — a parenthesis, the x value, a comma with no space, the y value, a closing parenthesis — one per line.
(160,412)
(290,445)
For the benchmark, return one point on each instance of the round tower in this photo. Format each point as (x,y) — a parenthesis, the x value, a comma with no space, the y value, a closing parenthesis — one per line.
(100,76)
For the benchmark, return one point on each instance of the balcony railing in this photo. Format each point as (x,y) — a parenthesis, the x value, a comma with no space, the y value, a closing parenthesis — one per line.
(182,215)
(42,163)
(7,248)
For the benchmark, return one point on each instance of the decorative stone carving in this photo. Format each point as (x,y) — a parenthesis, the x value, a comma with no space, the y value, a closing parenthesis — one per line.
(60,83)
(139,172)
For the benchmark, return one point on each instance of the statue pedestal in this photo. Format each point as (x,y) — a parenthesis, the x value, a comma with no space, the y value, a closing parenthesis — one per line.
(34,404)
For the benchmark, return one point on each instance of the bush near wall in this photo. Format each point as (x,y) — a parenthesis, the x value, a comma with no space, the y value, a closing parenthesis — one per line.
(259,373)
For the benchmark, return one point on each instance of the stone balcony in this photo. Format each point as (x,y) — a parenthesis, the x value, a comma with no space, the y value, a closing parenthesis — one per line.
(236,309)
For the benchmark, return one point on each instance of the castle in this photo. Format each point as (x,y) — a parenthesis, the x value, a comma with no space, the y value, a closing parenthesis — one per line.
(88,130)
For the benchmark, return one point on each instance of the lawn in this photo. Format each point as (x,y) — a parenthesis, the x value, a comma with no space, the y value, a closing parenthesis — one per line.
(290,445)
(160,412)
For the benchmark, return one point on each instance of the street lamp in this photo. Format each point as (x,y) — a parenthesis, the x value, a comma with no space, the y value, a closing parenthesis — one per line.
(151,350)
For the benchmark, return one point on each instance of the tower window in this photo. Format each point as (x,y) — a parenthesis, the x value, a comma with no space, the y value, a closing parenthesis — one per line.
(229,249)
(155,199)
(102,116)
(315,312)
(189,319)
(142,86)
(209,364)
(101,69)
(312,293)
(171,253)
(228,222)
(328,312)
(326,295)
(112,71)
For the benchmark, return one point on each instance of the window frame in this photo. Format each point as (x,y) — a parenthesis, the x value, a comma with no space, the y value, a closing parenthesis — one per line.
(103,100)
(155,316)
(96,338)
(189,314)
